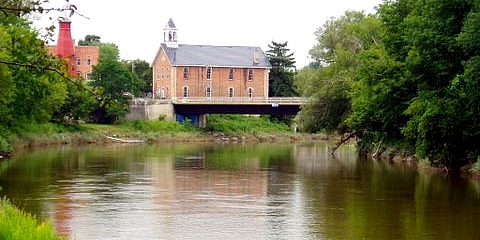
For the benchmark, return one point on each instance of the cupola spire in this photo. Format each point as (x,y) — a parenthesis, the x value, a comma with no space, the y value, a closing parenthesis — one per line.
(170,37)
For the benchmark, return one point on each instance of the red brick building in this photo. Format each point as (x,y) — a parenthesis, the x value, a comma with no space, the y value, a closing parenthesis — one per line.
(81,59)
(205,71)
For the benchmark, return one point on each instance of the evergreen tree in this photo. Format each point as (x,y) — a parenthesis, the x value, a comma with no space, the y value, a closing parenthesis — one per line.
(282,72)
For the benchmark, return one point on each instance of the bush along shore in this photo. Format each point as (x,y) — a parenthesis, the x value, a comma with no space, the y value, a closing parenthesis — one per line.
(221,128)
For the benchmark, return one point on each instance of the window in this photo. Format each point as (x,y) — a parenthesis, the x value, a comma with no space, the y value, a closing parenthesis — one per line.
(208,93)
(209,73)
(89,76)
(89,61)
(162,93)
(185,73)
(79,74)
(230,92)
(185,92)
(78,61)
(250,93)
(230,74)
(250,74)
(163,72)
(168,72)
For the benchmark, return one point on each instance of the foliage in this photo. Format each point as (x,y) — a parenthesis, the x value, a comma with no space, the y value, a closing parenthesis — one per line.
(78,105)
(143,71)
(114,82)
(329,80)
(90,40)
(227,123)
(432,39)
(282,72)
(410,74)
(32,87)
(15,224)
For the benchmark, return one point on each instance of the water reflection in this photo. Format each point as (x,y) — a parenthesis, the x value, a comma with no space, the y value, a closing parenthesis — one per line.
(251,191)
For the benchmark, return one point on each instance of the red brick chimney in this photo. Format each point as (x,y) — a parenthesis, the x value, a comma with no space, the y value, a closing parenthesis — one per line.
(65,46)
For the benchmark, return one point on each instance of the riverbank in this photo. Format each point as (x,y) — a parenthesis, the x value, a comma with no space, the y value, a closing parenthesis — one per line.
(41,135)
(399,155)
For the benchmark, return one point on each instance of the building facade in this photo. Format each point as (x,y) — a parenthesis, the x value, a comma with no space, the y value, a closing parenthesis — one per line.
(205,71)
(80,59)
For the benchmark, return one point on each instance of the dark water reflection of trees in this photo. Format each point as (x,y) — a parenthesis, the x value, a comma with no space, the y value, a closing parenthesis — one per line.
(288,190)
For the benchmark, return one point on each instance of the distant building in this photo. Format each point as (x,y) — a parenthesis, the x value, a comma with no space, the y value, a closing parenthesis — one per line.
(80,59)
(205,71)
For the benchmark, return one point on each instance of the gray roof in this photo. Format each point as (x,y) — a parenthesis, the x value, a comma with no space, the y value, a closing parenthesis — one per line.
(220,56)
(170,24)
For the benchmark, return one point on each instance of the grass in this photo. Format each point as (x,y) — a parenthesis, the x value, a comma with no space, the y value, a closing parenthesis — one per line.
(33,135)
(18,225)
(233,124)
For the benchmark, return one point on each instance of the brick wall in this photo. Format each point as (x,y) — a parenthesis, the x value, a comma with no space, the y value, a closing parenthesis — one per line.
(220,82)
(162,76)
(86,58)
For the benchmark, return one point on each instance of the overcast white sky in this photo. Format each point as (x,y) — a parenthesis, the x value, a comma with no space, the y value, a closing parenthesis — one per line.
(136,27)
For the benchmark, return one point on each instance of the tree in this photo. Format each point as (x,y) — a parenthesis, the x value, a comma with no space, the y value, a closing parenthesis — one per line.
(90,40)
(115,82)
(329,79)
(420,88)
(143,72)
(282,72)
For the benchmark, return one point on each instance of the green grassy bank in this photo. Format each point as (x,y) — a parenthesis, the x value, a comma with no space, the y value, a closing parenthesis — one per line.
(18,225)
(246,128)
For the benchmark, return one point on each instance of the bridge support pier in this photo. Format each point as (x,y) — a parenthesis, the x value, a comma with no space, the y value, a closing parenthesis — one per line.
(150,110)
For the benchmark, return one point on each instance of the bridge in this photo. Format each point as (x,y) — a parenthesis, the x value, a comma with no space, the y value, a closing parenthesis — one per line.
(195,108)
(239,105)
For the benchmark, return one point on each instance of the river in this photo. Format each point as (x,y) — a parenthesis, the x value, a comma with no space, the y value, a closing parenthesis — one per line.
(237,191)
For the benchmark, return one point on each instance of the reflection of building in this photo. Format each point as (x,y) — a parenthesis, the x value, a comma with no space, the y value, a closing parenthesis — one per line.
(80,59)
(183,70)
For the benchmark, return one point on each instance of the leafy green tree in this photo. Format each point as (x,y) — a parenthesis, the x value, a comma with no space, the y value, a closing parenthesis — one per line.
(32,87)
(282,72)
(90,40)
(115,82)
(79,103)
(143,72)
(329,79)
(420,87)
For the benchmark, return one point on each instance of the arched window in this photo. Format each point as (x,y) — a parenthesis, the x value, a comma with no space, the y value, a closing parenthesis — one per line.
(208,93)
(230,92)
(250,93)
(185,91)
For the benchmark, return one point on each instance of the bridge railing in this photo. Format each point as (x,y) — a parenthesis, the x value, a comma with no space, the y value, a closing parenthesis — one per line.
(221,100)
(241,100)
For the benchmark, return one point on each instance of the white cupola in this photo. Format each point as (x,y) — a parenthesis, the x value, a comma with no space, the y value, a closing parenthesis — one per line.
(170,35)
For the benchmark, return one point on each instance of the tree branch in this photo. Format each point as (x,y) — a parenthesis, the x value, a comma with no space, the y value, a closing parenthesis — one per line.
(60,73)
(342,141)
